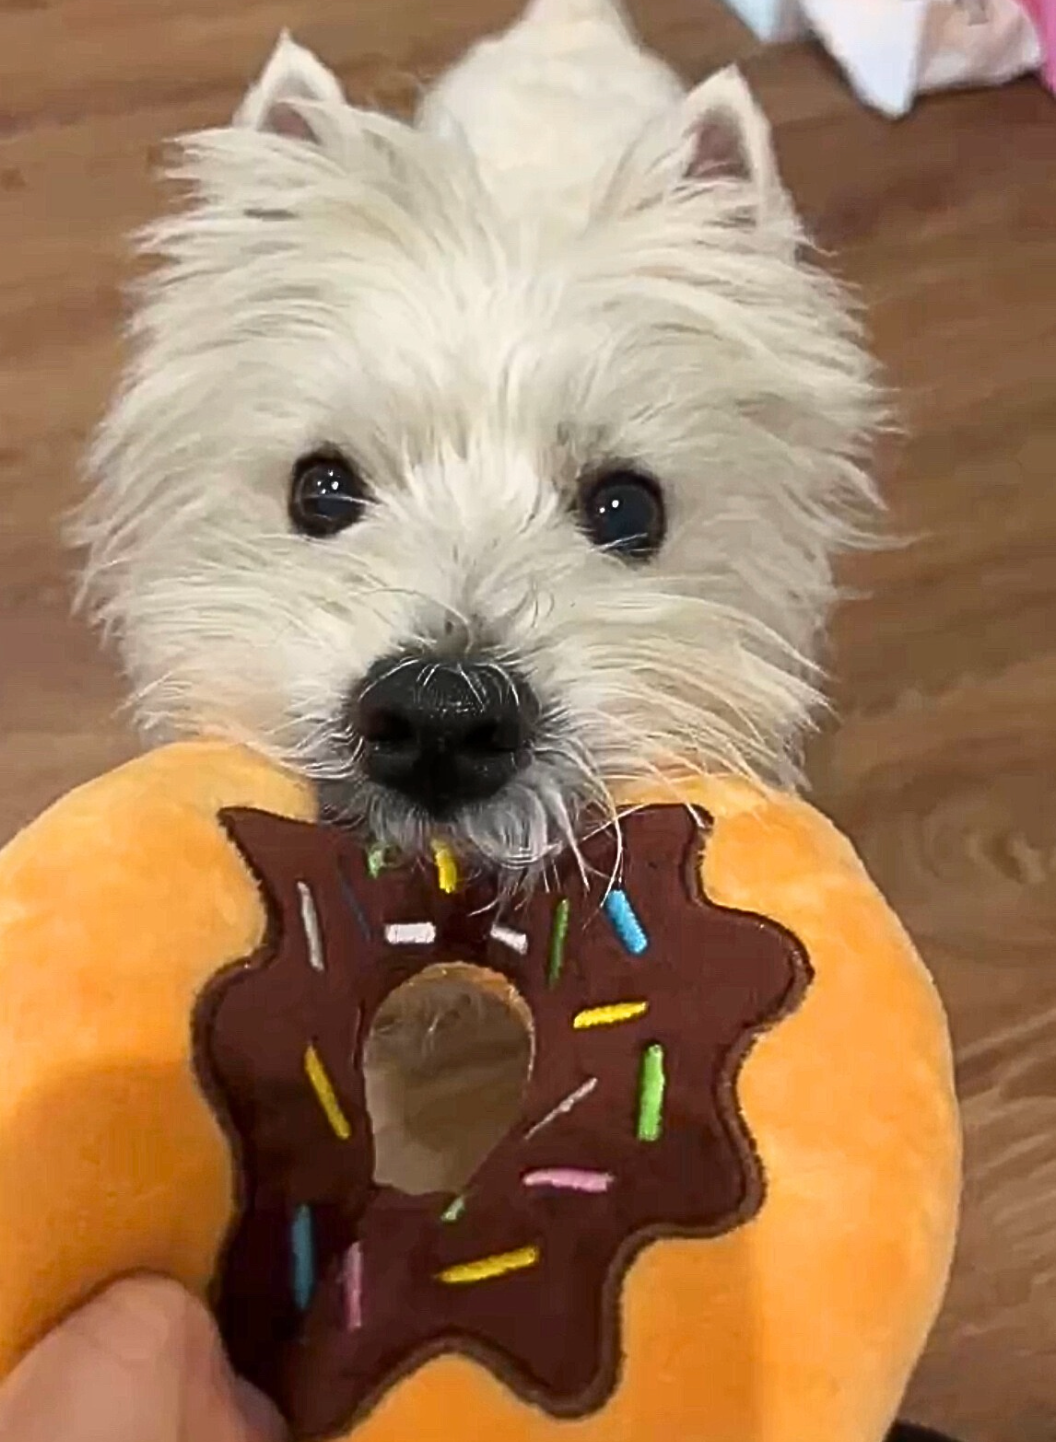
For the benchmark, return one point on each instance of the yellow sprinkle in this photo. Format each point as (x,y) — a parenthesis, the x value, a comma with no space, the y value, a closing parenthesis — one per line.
(609,1015)
(323,1089)
(446,868)
(489,1267)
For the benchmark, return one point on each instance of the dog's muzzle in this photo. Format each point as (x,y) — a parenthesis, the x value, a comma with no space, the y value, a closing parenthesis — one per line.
(444,734)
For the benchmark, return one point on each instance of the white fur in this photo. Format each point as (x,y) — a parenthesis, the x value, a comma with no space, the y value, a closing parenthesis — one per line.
(292,73)
(543,276)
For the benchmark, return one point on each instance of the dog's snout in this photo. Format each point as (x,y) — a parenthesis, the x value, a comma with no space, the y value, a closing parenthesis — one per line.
(444,733)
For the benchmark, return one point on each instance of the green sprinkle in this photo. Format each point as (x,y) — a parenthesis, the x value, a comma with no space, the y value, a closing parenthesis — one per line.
(454,1211)
(376,861)
(559,932)
(651,1087)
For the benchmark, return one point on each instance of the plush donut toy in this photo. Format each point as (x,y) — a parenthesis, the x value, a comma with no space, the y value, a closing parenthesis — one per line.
(726,1212)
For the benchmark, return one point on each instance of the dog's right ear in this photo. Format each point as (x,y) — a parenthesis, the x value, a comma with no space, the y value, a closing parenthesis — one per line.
(292,74)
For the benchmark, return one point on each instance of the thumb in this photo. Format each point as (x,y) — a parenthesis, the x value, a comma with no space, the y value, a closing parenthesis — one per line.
(142,1362)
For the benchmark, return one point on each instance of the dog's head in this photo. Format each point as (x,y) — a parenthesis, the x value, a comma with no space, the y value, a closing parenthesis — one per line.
(472,513)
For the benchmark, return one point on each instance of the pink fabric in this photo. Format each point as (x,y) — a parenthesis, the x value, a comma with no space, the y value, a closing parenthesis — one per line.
(1043,13)
(573,1179)
(353,1277)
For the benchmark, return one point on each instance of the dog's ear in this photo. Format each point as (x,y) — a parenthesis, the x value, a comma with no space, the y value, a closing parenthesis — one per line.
(725,135)
(715,133)
(292,74)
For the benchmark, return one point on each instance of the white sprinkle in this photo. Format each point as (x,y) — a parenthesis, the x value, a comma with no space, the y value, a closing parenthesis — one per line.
(410,933)
(572,1100)
(515,940)
(312,932)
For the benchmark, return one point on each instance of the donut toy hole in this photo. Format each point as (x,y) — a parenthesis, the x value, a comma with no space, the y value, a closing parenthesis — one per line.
(446,1066)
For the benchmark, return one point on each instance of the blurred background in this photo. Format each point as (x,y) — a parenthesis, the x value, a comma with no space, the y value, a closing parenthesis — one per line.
(941,757)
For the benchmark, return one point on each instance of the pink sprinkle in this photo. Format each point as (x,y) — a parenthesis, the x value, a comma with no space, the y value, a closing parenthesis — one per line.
(571,1179)
(353,1278)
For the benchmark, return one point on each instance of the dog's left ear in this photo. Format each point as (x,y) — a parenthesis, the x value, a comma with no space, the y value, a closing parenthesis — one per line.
(718,132)
(292,74)
(725,133)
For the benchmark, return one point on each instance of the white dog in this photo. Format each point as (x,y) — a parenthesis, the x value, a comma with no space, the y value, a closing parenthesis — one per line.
(478,465)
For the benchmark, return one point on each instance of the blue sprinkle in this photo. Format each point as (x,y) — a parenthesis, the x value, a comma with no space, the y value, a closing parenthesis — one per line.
(302,1244)
(625,923)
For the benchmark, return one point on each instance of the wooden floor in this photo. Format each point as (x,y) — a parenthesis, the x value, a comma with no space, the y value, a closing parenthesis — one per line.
(943,761)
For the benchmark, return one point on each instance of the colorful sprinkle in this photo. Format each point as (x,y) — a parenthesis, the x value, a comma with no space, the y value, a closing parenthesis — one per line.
(625,923)
(651,1087)
(558,935)
(446,868)
(563,1107)
(302,1249)
(352,902)
(324,1090)
(376,861)
(352,1277)
(515,940)
(312,932)
(570,1179)
(489,1267)
(609,1015)
(410,933)
(454,1211)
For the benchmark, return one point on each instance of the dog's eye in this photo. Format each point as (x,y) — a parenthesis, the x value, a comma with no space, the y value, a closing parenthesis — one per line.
(623,511)
(327,495)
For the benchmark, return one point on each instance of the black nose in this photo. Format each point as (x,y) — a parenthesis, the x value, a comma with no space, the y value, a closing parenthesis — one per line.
(444,733)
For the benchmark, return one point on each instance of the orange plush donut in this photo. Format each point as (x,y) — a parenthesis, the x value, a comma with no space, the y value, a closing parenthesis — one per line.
(726,1211)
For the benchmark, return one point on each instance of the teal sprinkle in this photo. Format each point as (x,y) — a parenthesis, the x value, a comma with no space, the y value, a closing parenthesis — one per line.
(302,1246)
(625,923)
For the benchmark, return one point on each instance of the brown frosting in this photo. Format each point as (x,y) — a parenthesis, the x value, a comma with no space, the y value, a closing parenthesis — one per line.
(332,1287)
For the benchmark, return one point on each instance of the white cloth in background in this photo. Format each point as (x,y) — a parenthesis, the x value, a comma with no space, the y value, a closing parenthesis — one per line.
(773,19)
(893,50)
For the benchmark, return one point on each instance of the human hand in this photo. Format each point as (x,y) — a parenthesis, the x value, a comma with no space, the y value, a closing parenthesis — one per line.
(142,1362)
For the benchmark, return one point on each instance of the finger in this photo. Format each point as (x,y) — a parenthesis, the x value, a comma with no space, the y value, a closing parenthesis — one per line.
(106,1372)
(139,1363)
(217,1406)
(262,1417)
